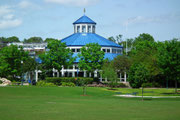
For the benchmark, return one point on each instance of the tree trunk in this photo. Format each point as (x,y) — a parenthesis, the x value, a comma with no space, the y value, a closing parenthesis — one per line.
(142,94)
(176,86)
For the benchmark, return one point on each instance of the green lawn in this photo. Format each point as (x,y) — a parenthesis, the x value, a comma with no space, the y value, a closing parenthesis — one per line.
(66,103)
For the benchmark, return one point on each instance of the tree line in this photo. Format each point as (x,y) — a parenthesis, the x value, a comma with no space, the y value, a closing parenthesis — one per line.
(147,62)
(152,63)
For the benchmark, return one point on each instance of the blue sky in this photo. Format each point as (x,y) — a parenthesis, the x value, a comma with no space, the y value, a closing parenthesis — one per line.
(54,18)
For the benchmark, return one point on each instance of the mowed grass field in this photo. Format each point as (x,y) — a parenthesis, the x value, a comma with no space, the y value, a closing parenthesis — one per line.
(67,103)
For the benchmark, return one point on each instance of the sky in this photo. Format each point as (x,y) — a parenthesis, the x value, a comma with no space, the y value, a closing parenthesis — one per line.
(54,18)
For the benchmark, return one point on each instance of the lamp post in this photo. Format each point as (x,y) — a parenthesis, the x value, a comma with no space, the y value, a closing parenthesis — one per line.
(22,73)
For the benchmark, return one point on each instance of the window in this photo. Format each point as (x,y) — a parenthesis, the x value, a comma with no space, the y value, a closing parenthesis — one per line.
(93,29)
(104,50)
(83,28)
(78,29)
(89,28)
(108,50)
(78,50)
(119,51)
(73,50)
(113,50)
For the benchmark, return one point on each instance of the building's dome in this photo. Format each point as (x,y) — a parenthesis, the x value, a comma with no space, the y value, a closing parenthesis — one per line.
(81,39)
(84,19)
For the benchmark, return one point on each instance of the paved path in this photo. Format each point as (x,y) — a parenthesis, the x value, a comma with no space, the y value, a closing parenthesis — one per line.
(134,96)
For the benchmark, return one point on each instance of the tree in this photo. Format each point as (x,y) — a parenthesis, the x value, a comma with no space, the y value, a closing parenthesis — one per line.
(168,60)
(121,63)
(56,56)
(117,39)
(109,73)
(49,40)
(91,57)
(13,39)
(10,61)
(143,37)
(138,74)
(33,40)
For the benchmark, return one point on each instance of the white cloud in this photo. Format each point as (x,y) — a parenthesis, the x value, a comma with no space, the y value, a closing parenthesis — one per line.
(154,19)
(27,4)
(4,24)
(24,4)
(5,9)
(141,19)
(78,3)
(7,18)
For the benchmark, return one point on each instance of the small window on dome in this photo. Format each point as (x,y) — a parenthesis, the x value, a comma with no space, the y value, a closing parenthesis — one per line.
(89,29)
(78,29)
(83,28)
(93,30)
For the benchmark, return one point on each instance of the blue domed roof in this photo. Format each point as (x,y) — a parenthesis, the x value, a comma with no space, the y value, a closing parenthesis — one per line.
(84,19)
(81,39)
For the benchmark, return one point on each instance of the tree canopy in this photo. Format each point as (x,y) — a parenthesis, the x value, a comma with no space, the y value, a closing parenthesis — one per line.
(56,56)
(33,40)
(91,57)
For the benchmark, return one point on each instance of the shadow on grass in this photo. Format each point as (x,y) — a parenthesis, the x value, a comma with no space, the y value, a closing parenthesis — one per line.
(170,93)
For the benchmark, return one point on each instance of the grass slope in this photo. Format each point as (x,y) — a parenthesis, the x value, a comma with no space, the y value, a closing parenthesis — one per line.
(66,103)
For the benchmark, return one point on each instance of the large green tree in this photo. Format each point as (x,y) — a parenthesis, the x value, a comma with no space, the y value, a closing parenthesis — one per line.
(138,74)
(13,39)
(10,61)
(91,57)
(33,40)
(121,63)
(56,55)
(168,60)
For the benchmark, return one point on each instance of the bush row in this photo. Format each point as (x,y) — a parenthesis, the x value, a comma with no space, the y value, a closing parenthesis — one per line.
(44,84)
(76,80)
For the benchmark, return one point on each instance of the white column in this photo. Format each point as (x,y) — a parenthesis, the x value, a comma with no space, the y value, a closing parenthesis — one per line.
(57,74)
(120,77)
(62,71)
(73,73)
(84,73)
(86,28)
(53,72)
(101,78)
(80,28)
(89,74)
(95,73)
(125,77)
(36,71)
(106,79)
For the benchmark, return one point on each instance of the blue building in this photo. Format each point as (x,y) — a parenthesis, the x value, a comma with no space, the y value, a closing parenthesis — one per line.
(84,33)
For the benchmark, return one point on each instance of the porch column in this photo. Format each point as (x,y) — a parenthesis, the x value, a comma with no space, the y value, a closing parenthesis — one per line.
(90,74)
(53,72)
(36,71)
(125,77)
(101,78)
(57,74)
(95,73)
(84,73)
(73,73)
(62,71)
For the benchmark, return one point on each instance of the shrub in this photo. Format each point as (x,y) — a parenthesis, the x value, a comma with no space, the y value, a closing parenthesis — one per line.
(1,82)
(70,84)
(121,85)
(76,80)
(44,84)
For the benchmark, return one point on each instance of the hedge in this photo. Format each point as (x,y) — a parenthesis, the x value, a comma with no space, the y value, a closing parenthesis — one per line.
(76,80)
